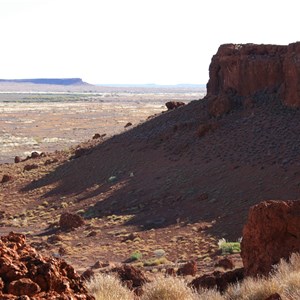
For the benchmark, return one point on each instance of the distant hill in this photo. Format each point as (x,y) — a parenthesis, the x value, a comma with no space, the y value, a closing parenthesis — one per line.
(55,81)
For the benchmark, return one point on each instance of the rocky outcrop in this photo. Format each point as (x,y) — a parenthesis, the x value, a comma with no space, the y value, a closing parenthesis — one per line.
(272,232)
(24,272)
(249,69)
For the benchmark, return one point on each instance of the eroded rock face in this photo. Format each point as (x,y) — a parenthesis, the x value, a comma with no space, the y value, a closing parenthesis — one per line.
(24,272)
(244,70)
(272,232)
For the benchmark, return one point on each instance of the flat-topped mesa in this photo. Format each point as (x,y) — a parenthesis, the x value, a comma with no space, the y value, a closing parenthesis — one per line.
(52,81)
(245,70)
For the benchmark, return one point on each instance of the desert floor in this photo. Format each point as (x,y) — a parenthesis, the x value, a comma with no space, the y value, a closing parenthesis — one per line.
(46,122)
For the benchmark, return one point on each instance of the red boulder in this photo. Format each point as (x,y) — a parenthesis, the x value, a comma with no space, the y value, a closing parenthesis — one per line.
(271,233)
(69,221)
(190,268)
(174,104)
(131,275)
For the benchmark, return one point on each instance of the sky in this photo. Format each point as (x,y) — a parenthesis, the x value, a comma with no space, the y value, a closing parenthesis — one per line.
(134,41)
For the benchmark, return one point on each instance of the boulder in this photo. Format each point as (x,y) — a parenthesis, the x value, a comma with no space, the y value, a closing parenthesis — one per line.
(174,104)
(225,263)
(70,221)
(17,159)
(50,161)
(87,274)
(190,268)
(96,136)
(130,275)
(103,264)
(26,273)
(217,279)
(6,178)
(35,154)
(30,167)
(272,232)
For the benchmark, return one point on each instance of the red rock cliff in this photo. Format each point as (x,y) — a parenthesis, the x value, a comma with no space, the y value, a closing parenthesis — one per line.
(245,70)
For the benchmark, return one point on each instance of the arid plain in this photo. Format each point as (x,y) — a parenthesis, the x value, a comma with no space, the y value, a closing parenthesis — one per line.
(46,118)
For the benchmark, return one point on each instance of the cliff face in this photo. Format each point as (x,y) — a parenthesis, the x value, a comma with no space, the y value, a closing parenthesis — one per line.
(245,70)
(291,68)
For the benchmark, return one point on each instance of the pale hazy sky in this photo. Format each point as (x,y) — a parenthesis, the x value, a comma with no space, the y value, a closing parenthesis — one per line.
(134,41)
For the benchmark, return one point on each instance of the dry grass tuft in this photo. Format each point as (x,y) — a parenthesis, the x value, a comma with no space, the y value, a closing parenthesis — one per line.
(210,294)
(252,289)
(285,280)
(168,288)
(108,287)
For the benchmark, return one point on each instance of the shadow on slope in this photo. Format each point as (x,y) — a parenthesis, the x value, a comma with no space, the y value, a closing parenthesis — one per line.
(162,171)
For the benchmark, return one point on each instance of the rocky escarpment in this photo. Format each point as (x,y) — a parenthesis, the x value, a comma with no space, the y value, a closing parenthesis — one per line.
(245,70)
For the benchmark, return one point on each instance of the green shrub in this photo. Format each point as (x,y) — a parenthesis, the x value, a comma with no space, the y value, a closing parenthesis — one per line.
(137,255)
(229,247)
